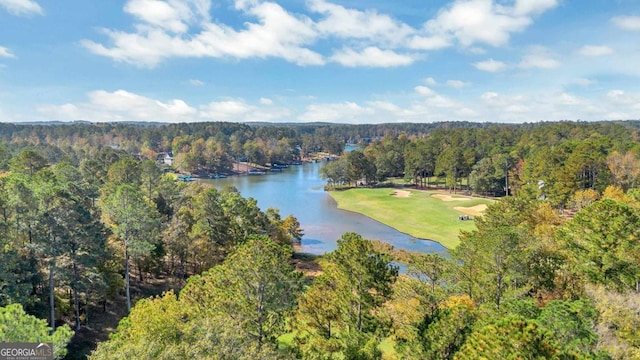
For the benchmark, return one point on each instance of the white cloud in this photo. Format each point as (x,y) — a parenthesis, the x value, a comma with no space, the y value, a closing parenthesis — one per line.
(595,50)
(631,23)
(121,105)
(431,81)
(433,99)
(171,15)
(517,109)
(424,91)
(143,49)
(533,7)
(510,108)
(617,115)
(482,21)
(196,82)
(429,42)
(568,99)
(5,53)
(584,82)
(371,57)
(539,57)
(22,7)
(355,24)
(225,110)
(554,106)
(384,105)
(496,100)
(620,97)
(477,50)
(472,21)
(489,97)
(349,112)
(437,108)
(429,106)
(467,113)
(276,34)
(457,84)
(237,110)
(441,101)
(165,29)
(425,105)
(490,65)
(266,101)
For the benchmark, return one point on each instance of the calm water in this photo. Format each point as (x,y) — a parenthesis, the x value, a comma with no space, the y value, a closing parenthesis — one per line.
(299,190)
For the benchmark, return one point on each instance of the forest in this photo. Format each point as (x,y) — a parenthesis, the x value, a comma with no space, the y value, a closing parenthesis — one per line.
(93,228)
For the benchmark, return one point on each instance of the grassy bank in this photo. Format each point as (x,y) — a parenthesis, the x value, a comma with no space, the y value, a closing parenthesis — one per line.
(422,214)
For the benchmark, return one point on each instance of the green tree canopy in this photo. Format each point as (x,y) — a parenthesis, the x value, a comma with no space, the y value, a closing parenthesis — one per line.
(17,326)
(253,289)
(602,242)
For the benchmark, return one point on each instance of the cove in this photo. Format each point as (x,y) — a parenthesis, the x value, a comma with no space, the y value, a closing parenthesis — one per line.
(299,190)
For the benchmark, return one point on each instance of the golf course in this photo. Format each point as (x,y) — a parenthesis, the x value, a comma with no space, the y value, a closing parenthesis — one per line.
(433,215)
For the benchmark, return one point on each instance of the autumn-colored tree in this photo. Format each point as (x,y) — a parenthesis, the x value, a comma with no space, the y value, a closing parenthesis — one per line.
(625,169)
(583,198)
(617,324)
(613,193)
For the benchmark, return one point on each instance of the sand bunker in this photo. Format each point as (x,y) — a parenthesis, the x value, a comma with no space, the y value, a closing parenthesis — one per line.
(473,210)
(401,193)
(444,197)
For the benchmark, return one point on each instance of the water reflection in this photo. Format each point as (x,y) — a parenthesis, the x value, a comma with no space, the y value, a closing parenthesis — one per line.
(299,190)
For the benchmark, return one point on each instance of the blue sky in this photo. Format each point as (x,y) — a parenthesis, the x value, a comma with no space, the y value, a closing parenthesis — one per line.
(345,61)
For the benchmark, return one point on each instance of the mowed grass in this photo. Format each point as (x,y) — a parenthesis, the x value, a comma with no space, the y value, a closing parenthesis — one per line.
(419,215)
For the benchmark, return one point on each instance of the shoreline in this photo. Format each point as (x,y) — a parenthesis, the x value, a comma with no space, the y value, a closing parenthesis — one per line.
(391,226)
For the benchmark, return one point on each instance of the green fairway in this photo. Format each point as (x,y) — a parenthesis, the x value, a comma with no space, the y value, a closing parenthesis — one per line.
(417,213)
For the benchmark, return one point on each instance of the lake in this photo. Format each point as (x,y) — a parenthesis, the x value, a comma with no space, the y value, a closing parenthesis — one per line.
(299,190)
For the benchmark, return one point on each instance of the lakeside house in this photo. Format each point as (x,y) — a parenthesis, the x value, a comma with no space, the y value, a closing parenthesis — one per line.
(165,158)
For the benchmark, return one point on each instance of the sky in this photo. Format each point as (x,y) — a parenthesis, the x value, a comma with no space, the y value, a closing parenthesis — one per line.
(340,61)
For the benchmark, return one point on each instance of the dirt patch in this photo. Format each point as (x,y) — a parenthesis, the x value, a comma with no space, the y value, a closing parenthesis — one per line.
(477,210)
(309,269)
(244,167)
(444,197)
(401,193)
(306,263)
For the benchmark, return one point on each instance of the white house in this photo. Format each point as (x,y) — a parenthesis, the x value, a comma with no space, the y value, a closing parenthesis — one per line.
(165,158)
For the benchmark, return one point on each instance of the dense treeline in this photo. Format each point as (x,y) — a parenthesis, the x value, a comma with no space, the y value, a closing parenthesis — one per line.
(527,284)
(85,227)
(551,161)
(162,134)
(214,145)
(197,147)
(74,238)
